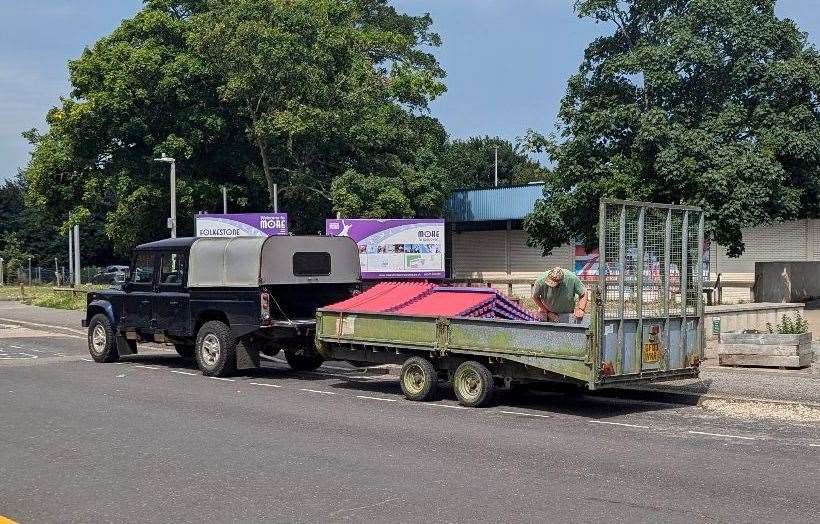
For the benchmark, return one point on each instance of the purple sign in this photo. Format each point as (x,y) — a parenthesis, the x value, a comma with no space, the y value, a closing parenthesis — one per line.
(241,225)
(395,247)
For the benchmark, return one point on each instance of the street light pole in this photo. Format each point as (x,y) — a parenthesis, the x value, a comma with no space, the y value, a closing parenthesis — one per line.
(172,222)
(496,166)
(224,200)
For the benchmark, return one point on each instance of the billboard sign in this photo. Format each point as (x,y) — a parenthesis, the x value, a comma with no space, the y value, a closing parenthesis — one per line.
(241,225)
(395,248)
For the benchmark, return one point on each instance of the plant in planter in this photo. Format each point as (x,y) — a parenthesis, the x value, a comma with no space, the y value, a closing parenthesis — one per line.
(786,345)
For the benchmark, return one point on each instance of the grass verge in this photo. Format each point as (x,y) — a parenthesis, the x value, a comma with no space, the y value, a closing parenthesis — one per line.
(46,296)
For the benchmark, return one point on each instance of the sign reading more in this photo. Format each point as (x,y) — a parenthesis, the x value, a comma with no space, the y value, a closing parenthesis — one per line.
(395,248)
(242,225)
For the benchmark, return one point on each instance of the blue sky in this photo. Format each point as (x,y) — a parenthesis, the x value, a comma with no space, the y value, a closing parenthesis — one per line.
(507,60)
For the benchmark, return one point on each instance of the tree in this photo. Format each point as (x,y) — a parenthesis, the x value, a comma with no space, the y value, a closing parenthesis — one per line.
(323,87)
(706,102)
(138,93)
(334,85)
(470,162)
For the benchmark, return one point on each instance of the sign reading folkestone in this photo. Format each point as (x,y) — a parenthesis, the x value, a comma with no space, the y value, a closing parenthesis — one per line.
(242,225)
(395,248)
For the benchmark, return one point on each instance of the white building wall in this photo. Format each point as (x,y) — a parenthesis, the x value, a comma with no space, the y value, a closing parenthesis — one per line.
(798,240)
(483,254)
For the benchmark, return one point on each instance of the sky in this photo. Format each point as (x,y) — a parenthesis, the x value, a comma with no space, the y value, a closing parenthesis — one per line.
(507,61)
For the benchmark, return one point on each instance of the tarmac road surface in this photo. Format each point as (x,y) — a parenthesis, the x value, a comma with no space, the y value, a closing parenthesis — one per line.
(150,439)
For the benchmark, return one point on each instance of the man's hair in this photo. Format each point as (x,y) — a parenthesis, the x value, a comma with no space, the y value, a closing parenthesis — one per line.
(556,274)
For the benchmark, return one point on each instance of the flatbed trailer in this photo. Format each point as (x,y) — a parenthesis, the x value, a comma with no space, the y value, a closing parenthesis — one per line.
(645,323)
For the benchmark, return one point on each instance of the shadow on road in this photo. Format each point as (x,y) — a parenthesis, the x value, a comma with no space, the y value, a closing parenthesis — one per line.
(542,398)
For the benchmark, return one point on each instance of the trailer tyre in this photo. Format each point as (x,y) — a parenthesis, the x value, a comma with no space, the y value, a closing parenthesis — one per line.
(473,384)
(419,379)
(303,360)
(215,349)
(101,342)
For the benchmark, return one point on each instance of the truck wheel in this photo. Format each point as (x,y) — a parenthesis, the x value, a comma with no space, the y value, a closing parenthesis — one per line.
(185,350)
(418,379)
(101,342)
(473,384)
(215,349)
(301,360)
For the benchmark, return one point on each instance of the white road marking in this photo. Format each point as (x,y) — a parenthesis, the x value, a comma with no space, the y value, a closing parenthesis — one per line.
(87,359)
(317,391)
(145,367)
(266,385)
(13,321)
(814,445)
(222,378)
(524,414)
(181,372)
(721,435)
(619,424)
(377,398)
(435,405)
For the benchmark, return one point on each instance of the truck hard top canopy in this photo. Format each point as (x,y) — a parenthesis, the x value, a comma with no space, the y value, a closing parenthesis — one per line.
(276,260)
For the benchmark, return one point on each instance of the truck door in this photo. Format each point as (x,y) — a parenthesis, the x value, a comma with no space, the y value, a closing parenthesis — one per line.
(171,301)
(140,290)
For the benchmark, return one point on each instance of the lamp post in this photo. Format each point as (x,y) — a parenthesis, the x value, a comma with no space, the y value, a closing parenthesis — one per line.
(172,222)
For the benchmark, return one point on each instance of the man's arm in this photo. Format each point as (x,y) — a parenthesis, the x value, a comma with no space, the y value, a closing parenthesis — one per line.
(548,314)
(581,305)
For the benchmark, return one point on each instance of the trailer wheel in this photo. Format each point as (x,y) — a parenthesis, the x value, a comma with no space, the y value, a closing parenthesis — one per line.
(185,350)
(303,360)
(101,342)
(418,379)
(215,349)
(473,384)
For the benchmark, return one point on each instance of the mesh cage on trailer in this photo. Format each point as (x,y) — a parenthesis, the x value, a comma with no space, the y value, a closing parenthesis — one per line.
(650,273)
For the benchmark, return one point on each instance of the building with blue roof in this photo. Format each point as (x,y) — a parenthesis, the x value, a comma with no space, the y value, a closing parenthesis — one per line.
(486,240)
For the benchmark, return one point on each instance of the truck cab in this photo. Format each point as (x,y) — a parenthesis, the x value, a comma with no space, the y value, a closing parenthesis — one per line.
(224,300)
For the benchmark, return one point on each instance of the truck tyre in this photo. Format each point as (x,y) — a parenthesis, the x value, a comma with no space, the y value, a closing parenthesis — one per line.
(185,350)
(215,349)
(101,342)
(418,379)
(303,360)
(473,384)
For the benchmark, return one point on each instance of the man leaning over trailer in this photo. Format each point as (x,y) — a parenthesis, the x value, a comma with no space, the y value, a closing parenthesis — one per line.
(555,294)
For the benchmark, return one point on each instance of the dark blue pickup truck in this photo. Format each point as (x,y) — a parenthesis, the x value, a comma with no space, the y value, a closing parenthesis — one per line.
(224,300)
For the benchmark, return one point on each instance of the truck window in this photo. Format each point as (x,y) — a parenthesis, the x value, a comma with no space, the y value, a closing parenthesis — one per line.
(310,263)
(143,268)
(172,268)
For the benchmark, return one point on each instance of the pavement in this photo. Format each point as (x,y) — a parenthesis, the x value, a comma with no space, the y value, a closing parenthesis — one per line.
(151,439)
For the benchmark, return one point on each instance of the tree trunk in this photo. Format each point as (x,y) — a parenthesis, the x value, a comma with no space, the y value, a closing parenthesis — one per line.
(264,154)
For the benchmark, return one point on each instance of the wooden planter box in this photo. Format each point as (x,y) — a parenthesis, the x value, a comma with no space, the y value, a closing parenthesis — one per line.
(765,349)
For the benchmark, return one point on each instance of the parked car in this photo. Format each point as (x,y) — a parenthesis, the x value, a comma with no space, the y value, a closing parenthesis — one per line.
(110,275)
(224,300)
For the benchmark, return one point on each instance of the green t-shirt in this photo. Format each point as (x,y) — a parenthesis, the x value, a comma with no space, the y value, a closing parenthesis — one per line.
(561,298)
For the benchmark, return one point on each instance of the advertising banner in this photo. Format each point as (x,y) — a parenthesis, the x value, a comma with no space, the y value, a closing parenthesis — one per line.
(395,248)
(241,225)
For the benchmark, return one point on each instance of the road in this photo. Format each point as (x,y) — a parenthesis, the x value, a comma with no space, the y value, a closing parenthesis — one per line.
(150,439)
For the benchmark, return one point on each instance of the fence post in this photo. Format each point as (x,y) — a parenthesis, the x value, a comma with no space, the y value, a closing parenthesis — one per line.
(2,280)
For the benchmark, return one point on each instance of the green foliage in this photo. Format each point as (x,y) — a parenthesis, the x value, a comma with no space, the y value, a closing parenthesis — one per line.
(324,87)
(703,102)
(795,325)
(242,93)
(14,255)
(471,163)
